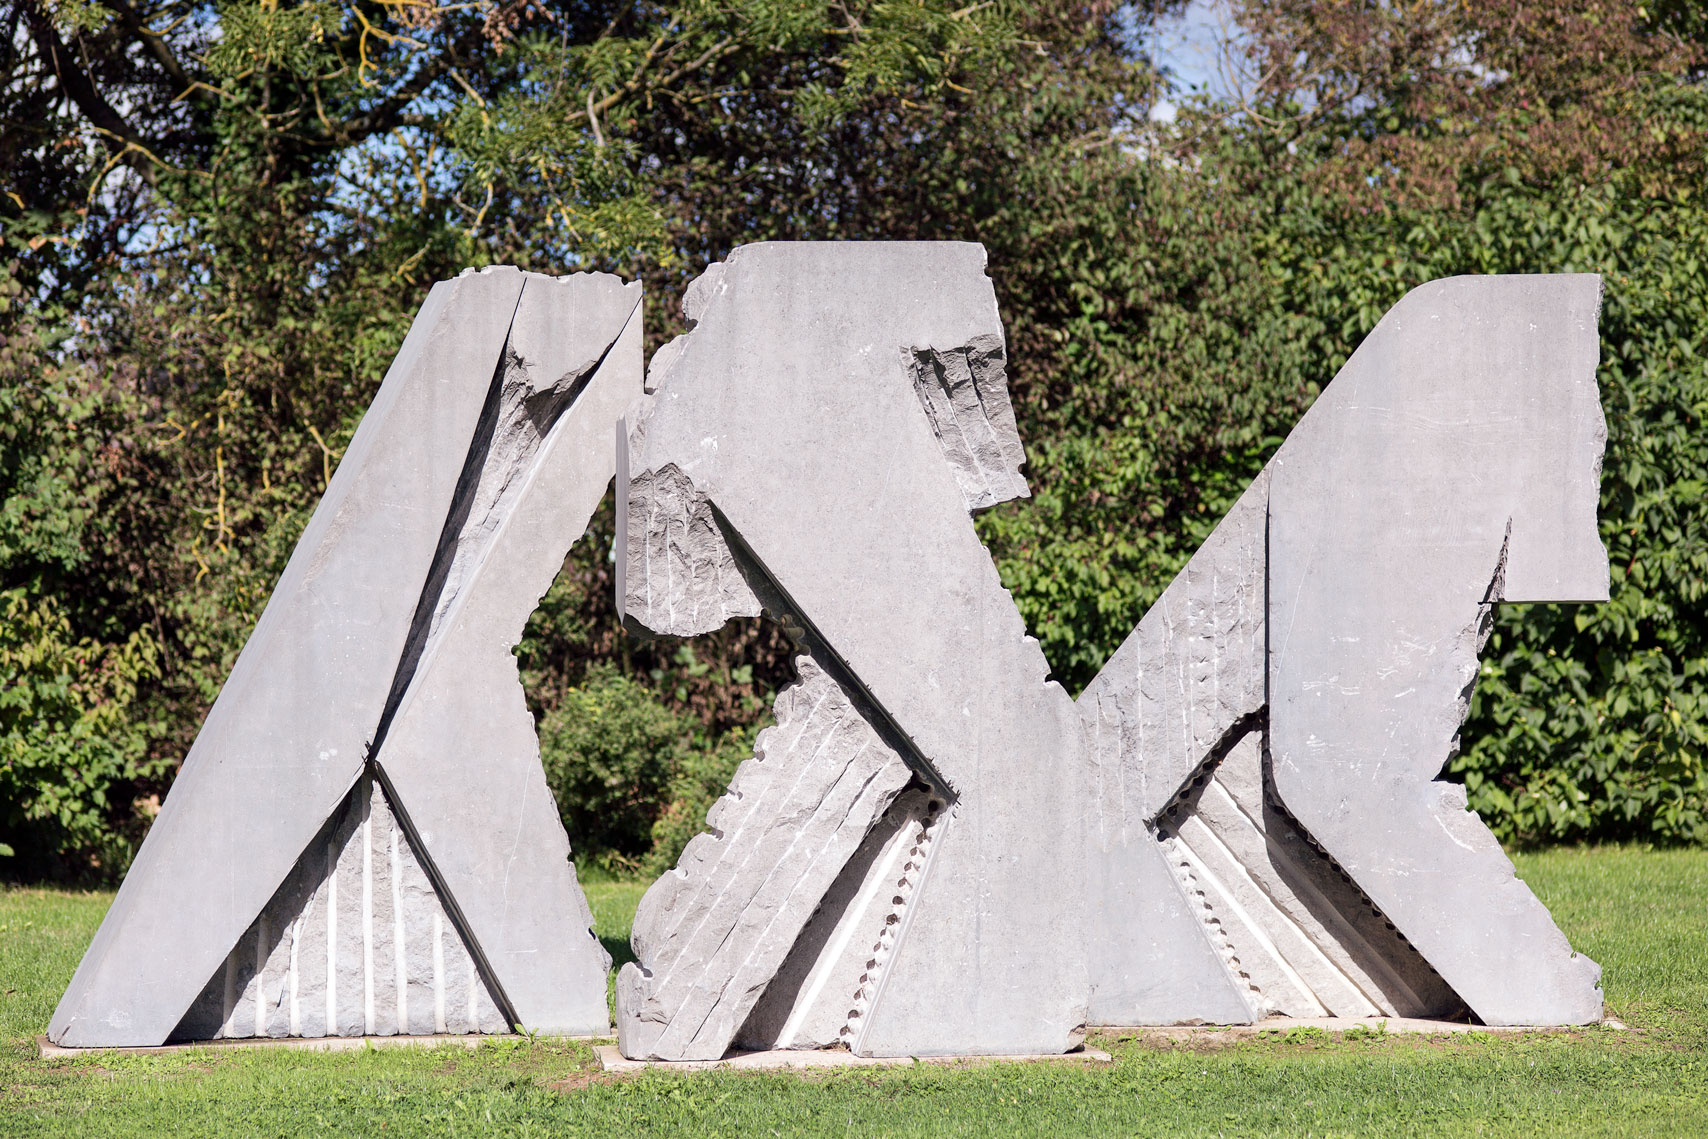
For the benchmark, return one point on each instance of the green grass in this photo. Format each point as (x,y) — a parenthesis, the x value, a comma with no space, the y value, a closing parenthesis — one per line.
(1643,915)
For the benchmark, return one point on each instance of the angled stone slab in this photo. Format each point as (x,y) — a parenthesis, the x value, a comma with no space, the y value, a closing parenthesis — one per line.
(460,753)
(305,696)
(1187,681)
(1454,463)
(822,410)
(1290,910)
(1278,720)
(304,714)
(712,933)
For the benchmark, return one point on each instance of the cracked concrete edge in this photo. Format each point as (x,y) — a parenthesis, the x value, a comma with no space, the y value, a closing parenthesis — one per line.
(1380,1025)
(781,1059)
(47,1050)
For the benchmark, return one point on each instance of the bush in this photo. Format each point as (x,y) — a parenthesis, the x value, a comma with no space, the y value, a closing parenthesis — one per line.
(611,751)
(704,775)
(70,745)
(633,777)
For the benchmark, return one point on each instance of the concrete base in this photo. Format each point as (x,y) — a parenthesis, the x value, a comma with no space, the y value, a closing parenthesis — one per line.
(1392,1026)
(614,1061)
(48,1050)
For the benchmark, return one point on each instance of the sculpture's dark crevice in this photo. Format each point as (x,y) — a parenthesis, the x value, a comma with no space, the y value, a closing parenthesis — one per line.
(447,899)
(1186,798)
(800,628)
(516,422)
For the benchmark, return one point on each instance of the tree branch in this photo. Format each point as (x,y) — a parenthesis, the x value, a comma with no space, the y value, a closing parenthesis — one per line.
(125,144)
(157,46)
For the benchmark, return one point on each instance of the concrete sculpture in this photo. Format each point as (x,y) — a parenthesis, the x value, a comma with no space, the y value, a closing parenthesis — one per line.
(1255,768)
(1265,749)
(934,851)
(888,871)
(361,839)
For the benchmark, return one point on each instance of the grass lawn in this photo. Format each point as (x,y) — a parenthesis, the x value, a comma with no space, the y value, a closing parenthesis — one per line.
(1644,916)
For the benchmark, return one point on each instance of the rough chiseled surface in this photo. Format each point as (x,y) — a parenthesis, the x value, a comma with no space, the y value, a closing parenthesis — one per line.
(355,943)
(387,640)
(795,407)
(823,990)
(710,935)
(964,392)
(680,579)
(1307,938)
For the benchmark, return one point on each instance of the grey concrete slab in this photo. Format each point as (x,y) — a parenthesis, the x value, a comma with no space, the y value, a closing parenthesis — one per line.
(50,1051)
(1151,958)
(793,408)
(385,650)
(1453,463)
(460,753)
(1340,607)
(306,695)
(1188,679)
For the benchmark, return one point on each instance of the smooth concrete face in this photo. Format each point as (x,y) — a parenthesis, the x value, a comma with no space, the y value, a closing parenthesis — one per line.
(799,409)
(1277,721)
(461,753)
(1452,464)
(355,619)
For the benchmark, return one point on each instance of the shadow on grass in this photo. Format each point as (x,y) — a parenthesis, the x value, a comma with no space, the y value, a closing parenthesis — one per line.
(619,949)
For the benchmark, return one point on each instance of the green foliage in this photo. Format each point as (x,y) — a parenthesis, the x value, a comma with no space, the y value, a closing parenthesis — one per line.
(611,751)
(701,778)
(633,778)
(69,736)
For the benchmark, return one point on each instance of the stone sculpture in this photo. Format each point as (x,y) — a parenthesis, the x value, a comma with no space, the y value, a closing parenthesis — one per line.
(1265,748)
(361,839)
(888,871)
(1256,767)
(934,851)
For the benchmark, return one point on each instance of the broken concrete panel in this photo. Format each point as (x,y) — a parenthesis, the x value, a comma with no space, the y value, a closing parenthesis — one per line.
(964,392)
(680,578)
(1187,681)
(461,751)
(711,934)
(306,694)
(1452,464)
(792,407)
(397,966)
(1184,681)
(403,539)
